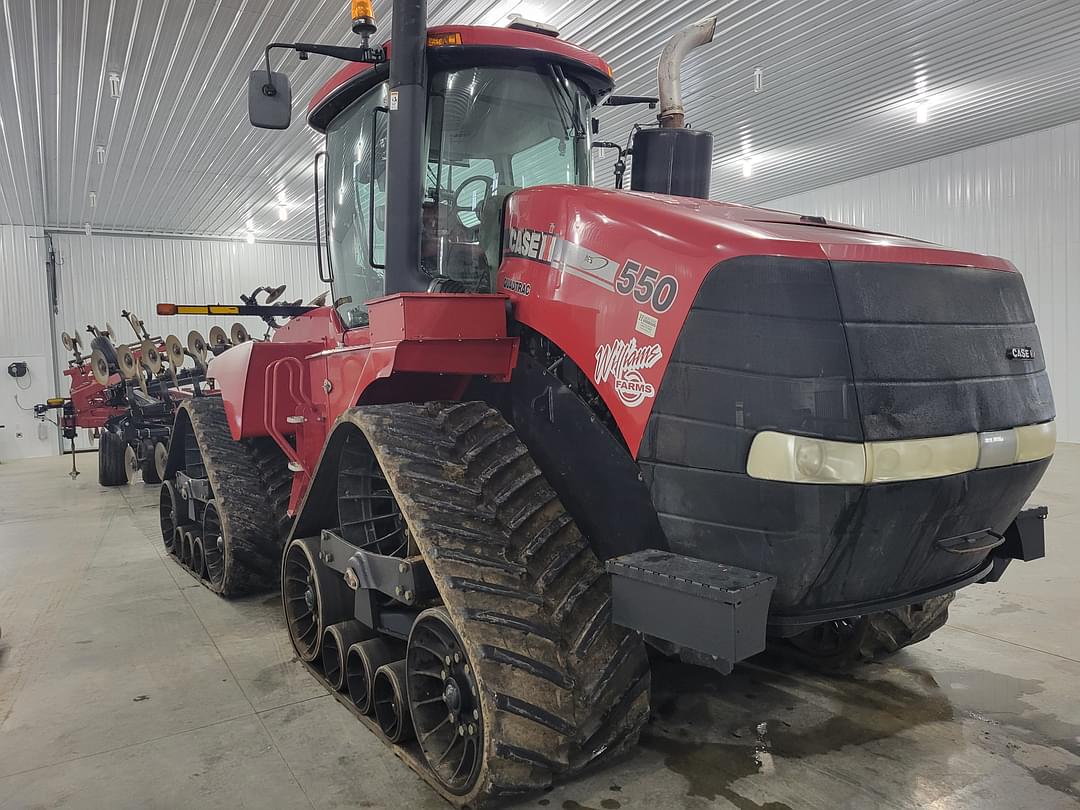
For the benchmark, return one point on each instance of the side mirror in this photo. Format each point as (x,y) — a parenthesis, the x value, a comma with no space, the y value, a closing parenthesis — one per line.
(269,100)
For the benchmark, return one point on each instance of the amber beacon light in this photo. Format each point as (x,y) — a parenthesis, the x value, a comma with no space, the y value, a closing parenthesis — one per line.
(363,18)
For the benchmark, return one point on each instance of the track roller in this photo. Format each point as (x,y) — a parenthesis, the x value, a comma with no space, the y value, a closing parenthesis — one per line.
(336,641)
(361,664)
(197,557)
(177,549)
(186,551)
(391,707)
(313,596)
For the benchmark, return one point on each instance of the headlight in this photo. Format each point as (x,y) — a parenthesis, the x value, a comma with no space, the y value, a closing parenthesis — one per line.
(781,457)
(778,456)
(1035,441)
(914,459)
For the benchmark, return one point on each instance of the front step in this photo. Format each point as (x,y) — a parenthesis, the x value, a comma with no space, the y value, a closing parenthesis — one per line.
(718,611)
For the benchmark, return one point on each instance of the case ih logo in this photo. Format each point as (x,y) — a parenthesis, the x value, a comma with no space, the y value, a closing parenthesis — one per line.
(530,244)
(622,361)
(1020,353)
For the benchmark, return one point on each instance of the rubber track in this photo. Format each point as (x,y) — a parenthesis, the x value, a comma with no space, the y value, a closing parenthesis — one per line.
(250,481)
(878,635)
(563,688)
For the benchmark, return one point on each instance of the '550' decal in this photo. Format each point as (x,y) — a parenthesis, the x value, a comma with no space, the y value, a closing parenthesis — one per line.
(646,286)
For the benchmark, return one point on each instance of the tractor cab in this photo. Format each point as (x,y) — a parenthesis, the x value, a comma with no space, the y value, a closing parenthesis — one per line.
(506,109)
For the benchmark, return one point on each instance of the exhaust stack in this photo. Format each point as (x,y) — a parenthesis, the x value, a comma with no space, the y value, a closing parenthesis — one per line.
(668,68)
(405,159)
(673,159)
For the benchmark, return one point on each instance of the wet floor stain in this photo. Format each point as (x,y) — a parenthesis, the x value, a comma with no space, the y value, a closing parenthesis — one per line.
(715,734)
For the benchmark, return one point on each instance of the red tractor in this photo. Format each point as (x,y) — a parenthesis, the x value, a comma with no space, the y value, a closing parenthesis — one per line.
(545,424)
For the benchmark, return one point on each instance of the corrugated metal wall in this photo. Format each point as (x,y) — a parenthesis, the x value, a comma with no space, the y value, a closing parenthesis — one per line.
(97,277)
(1018,198)
(24,336)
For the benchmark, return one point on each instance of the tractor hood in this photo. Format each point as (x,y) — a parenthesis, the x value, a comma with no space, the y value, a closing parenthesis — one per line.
(626,269)
(746,230)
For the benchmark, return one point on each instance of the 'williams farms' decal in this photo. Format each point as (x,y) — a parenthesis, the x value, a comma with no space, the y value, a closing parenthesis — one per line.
(622,361)
(644,284)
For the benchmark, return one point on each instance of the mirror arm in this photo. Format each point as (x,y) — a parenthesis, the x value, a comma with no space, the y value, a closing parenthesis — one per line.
(373,56)
(623,101)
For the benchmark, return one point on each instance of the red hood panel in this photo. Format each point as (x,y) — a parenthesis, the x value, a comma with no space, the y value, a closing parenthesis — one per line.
(747,229)
(609,276)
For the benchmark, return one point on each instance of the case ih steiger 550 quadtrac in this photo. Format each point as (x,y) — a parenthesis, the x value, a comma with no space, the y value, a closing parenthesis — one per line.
(545,424)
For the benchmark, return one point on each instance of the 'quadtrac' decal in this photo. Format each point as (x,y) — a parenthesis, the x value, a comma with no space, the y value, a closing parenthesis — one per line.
(518,286)
(622,361)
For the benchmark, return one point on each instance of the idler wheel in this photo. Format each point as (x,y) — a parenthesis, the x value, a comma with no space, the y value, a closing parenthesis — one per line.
(213,546)
(444,701)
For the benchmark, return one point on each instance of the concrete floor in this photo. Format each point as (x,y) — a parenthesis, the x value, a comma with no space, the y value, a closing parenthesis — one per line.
(123,684)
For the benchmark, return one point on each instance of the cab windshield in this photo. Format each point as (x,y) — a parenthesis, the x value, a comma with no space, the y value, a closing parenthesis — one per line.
(491,130)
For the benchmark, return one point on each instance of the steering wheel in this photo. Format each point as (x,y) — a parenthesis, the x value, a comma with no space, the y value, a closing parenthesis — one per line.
(465,211)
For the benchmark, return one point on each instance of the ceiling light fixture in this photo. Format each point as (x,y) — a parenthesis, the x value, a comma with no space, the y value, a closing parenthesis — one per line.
(759,80)
(922,112)
(99,153)
(282,213)
(114,85)
(250,238)
(250,224)
(747,167)
(93,199)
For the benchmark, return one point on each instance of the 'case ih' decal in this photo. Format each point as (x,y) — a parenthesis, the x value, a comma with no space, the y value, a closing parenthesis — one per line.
(530,244)
(644,284)
(622,361)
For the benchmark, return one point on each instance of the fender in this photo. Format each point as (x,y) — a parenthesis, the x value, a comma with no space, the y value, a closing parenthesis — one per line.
(606,496)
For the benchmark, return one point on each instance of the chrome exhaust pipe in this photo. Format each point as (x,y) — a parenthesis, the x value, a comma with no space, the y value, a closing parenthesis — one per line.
(672,113)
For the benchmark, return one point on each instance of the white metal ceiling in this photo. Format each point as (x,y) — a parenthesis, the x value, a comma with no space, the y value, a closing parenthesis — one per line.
(840,81)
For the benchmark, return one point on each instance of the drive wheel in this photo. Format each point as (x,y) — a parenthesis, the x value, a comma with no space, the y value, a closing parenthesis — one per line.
(213,547)
(445,701)
(843,644)
(112,460)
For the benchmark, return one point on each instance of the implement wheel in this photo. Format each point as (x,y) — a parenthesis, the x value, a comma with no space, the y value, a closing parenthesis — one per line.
(147,463)
(112,460)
